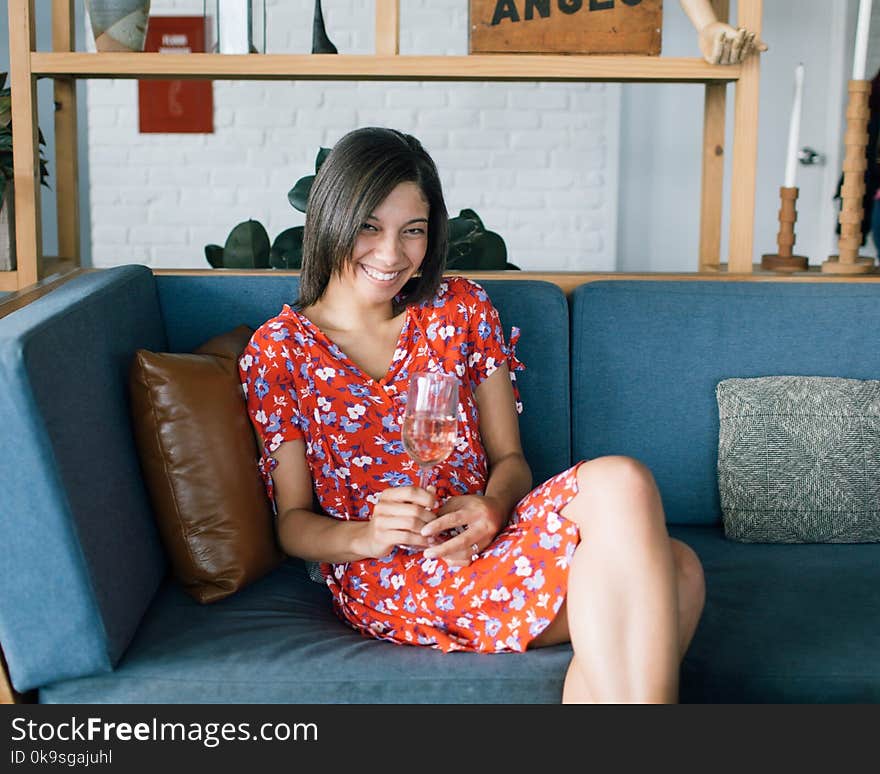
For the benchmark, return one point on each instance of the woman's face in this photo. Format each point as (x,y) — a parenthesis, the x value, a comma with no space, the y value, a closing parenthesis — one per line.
(390,246)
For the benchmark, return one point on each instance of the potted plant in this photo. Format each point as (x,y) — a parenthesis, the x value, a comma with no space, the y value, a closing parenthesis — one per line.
(471,246)
(7,198)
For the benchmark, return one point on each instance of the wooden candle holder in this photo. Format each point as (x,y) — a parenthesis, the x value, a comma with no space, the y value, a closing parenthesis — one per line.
(784,260)
(848,260)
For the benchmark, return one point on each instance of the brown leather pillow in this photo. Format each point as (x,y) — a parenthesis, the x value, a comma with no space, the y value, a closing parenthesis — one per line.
(198,455)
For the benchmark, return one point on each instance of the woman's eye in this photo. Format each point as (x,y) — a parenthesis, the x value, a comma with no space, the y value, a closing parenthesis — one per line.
(417,231)
(367,227)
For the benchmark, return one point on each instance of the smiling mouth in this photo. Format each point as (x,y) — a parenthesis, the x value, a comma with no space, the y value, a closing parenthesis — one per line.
(380,276)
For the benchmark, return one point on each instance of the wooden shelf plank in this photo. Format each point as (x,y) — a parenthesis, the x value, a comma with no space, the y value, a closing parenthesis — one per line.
(8,281)
(567,281)
(813,272)
(26,295)
(53,266)
(477,67)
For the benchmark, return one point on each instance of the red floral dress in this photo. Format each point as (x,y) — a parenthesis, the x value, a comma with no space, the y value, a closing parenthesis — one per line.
(300,385)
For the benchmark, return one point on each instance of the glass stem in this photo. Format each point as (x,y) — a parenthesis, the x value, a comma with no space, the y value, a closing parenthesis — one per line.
(424,477)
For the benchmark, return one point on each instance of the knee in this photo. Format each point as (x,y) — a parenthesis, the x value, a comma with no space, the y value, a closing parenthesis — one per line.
(691,580)
(617,474)
(613,487)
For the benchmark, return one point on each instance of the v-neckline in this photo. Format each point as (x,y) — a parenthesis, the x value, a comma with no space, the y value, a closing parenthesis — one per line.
(328,342)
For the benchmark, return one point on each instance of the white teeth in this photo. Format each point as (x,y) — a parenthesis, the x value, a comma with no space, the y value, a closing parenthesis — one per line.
(379,275)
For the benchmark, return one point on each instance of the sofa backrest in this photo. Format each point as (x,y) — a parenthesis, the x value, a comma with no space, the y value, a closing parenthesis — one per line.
(81,555)
(647,355)
(197,307)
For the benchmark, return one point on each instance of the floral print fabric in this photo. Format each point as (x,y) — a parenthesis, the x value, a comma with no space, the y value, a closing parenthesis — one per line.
(299,385)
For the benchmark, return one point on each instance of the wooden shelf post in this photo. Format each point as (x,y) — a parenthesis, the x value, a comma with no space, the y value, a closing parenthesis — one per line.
(66,156)
(387,27)
(25,150)
(712,186)
(745,148)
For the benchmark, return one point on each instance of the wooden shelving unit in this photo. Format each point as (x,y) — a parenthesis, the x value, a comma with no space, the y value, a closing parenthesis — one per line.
(65,65)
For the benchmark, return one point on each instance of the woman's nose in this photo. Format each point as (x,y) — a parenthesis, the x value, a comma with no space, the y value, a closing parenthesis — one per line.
(388,248)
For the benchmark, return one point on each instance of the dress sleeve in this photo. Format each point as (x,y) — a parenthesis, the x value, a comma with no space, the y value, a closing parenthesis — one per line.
(267,376)
(487,348)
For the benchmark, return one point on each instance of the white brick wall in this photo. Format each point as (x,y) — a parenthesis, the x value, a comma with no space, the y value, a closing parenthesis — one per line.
(538,162)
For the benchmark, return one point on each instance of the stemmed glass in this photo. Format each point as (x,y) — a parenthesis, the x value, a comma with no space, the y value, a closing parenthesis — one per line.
(430,420)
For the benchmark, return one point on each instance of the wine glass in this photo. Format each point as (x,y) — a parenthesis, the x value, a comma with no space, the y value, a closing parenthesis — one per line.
(429,422)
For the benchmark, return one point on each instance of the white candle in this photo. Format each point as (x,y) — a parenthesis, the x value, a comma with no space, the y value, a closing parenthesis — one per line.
(233,17)
(794,128)
(861,52)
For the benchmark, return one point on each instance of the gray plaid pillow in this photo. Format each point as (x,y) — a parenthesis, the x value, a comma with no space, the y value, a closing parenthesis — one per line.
(799,459)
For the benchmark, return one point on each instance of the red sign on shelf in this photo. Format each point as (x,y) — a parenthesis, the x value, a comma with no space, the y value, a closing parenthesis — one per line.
(176,106)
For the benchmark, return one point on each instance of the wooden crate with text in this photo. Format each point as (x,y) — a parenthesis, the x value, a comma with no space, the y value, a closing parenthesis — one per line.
(566,26)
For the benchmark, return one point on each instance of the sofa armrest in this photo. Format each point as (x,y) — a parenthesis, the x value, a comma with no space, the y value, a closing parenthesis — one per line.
(82,558)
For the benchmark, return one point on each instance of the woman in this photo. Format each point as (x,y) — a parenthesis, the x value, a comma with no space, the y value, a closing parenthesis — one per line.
(584,558)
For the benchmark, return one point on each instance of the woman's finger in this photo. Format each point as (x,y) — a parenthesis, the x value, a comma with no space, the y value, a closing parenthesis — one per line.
(447,521)
(462,547)
(409,494)
(404,524)
(405,539)
(387,509)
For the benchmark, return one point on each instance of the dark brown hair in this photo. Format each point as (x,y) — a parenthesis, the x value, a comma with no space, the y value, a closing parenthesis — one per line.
(356,177)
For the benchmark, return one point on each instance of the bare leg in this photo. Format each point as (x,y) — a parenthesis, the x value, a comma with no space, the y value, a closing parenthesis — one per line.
(691,597)
(634,596)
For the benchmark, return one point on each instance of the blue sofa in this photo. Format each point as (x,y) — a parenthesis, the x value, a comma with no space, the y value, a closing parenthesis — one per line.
(89,614)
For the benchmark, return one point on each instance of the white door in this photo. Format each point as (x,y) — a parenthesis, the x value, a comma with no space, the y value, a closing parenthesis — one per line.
(661,139)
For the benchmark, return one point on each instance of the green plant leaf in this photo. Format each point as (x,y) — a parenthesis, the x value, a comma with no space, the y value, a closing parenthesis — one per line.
(489,252)
(322,155)
(286,252)
(473,217)
(461,229)
(298,196)
(247,247)
(471,247)
(214,254)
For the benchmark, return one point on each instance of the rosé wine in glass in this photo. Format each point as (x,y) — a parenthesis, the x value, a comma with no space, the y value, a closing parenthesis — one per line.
(430,423)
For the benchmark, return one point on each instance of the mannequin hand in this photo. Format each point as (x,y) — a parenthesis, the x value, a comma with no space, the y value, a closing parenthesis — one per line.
(722,44)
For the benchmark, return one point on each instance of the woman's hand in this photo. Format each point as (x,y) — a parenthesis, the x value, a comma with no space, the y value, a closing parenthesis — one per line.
(478,519)
(397,520)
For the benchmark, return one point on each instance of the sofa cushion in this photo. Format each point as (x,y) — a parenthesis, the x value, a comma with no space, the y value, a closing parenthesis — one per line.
(646,356)
(278,641)
(199,453)
(784,623)
(195,308)
(82,557)
(797,459)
